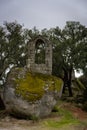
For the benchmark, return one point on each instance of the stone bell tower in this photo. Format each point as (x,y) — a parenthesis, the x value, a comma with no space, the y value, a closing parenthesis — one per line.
(40,55)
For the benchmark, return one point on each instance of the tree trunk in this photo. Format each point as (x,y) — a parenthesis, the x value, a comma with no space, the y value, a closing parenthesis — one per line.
(70,81)
(65,79)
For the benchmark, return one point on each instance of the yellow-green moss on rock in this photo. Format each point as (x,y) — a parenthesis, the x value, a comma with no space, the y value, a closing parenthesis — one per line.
(32,86)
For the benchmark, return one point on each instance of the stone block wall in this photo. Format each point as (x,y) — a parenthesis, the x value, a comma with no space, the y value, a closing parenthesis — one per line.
(45,68)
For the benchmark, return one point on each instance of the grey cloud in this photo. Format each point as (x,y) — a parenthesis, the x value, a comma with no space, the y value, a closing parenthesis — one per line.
(43,13)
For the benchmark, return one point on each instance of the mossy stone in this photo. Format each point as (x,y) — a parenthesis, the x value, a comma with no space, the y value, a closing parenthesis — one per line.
(28,94)
(32,86)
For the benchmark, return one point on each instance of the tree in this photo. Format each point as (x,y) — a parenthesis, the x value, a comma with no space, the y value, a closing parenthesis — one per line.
(31,33)
(16,43)
(3,54)
(12,47)
(70,48)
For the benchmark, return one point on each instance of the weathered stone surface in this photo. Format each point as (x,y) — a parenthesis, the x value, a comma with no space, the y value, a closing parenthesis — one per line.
(31,94)
(42,67)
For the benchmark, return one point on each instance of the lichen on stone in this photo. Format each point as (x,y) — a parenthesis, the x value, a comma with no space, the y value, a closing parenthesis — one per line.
(32,86)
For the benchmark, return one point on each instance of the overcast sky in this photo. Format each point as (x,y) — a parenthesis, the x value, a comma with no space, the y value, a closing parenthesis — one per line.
(43,13)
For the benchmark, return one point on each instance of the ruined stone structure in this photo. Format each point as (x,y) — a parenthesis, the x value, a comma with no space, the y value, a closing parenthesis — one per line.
(40,55)
(29,94)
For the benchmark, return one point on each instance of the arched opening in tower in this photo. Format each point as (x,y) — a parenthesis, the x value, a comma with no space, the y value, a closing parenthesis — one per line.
(40,52)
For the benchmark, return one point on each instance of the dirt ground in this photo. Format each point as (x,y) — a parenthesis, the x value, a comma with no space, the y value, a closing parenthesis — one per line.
(10,123)
(14,124)
(77,112)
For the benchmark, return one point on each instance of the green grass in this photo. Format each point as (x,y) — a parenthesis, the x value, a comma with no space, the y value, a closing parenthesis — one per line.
(66,119)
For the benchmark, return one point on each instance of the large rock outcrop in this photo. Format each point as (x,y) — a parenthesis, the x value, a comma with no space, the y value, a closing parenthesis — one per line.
(29,94)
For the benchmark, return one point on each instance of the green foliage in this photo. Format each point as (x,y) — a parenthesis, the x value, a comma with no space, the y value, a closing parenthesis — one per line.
(12,48)
(3,53)
(69,45)
(69,48)
(16,43)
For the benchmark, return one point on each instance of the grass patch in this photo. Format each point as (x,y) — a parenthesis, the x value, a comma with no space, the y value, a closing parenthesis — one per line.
(66,119)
